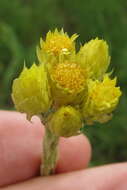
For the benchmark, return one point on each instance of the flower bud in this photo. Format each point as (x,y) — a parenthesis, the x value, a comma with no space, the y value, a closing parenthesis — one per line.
(94,57)
(30,92)
(103,98)
(65,122)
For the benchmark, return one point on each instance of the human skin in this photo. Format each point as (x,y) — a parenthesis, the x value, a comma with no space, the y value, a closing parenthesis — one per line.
(20,156)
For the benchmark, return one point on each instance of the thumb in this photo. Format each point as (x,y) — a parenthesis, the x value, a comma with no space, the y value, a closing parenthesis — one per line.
(110,177)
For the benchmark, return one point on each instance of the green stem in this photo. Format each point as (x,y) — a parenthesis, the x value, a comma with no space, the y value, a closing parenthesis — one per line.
(50,153)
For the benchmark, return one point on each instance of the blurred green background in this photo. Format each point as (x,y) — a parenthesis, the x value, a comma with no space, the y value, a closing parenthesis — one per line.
(22,22)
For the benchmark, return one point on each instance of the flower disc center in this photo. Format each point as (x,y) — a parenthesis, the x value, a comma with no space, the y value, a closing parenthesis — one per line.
(69,76)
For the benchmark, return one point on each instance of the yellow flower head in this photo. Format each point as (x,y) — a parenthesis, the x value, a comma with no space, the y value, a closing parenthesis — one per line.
(103,98)
(94,56)
(69,76)
(65,122)
(55,44)
(30,92)
(69,80)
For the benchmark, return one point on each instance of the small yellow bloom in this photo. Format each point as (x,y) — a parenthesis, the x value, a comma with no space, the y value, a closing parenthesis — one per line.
(69,82)
(67,78)
(56,44)
(103,98)
(30,92)
(65,122)
(94,57)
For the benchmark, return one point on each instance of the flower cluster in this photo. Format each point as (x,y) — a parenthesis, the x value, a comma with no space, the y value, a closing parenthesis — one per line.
(68,88)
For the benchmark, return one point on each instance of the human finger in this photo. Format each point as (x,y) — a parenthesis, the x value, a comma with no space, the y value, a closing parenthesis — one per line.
(21,147)
(110,177)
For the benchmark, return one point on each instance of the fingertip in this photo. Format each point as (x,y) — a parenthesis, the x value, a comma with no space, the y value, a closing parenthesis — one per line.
(74,154)
(20,146)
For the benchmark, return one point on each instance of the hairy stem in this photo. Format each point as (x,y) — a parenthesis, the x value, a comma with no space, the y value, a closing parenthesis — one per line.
(50,153)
